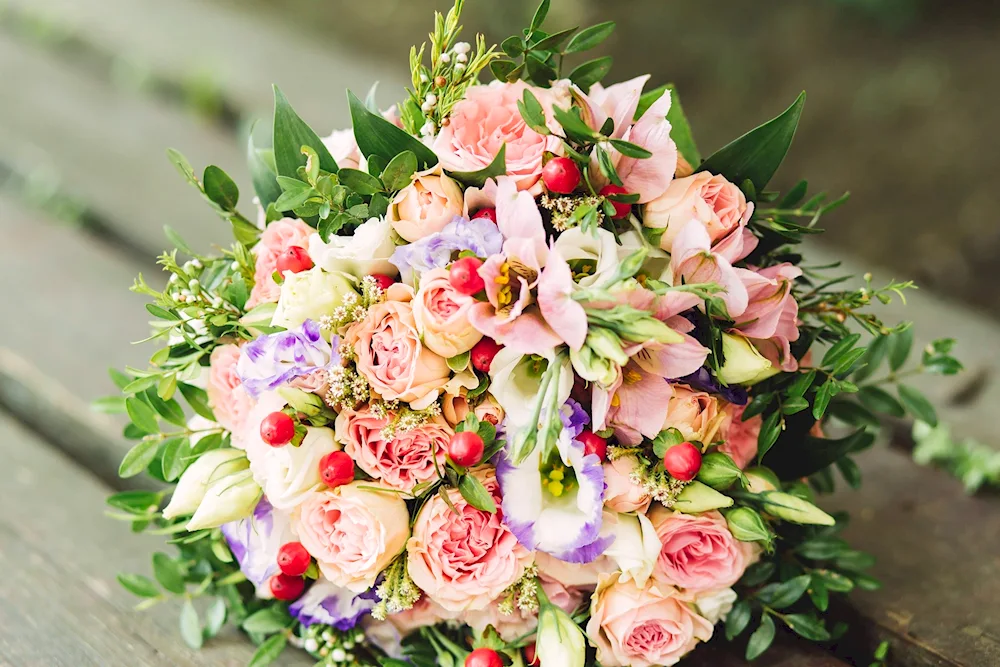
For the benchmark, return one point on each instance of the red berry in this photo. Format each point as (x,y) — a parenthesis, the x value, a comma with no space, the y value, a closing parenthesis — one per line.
(293,559)
(295,259)
(682,461)
(594,444)
(383,281)
(561,175)
(621,208)
(285,587)
(466,449)
(484,657)
(464,275)
(530,657)
(277,429)
(483,353)
(336,469)
(488,213)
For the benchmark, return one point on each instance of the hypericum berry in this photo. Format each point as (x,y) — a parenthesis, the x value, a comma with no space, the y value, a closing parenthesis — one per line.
(383,281)
(530,657)
(621,208)
(336,469)
(464,276)
(484,657)
(682,461)
(488,213)
(561,175)
(483,352)
(295,259)
(285,587)
(466,449)
(594,444)
(293,559)
(277,429)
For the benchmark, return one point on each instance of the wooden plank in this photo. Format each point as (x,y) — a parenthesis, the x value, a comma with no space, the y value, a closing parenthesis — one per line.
(59,602)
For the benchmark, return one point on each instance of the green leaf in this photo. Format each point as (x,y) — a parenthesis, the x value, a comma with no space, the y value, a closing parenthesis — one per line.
(665,440)
(138,458)
(539,16)
(576,129)
(398,173)
(819,594)
(761,638)
(502,69)
(136,584)
(769,431)
(360,181)
(141,414)
(190,626)
(266,621)
(902,343)
(873,358)
(290,134)
(591,72)
(784,594)
(377,136)
(113,405)
(839,349)
(801,456)
(757,154)
(215,616)
(269,651)
(498,167)
(680,129)
(552,41)
(476,494)
(168,573)
(807,626)
(170,410)
(532,112)
(834,581)
(628,149)
(173,461)
(513,46)
(822,400)
(590,37)
(738,619)
(880,400)
(917,404)
(197,399)
(459,362)
(220,188)
(802,383)
(794,404)
(262,172)
(137,502)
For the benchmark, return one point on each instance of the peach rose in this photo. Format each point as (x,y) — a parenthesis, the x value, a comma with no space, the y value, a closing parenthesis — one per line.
(390,354)
(710,199)
(426,205)
(698,552)
(442,315)
(576,575)
(643,627)
(352,533)
(739,437)
(465,561)
(487,119)
(694,413)
(276,238)
(621,494)
(455,408)
(402,462)
(229,400)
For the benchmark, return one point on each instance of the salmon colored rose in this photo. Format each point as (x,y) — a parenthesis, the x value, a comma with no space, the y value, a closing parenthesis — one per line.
(352,533)
(390,354)
(442,315)
(455,408)
(643,627)
(229,400)
(276,238)
(401,462)
(621,494)
(465,561)
(426,205)
(740,437)
(694,413)
(698,552)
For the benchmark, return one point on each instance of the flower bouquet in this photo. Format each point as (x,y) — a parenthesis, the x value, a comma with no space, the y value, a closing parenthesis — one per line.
(506,374)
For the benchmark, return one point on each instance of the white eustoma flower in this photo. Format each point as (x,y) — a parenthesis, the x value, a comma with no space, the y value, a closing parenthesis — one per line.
(289,474)
(255,541)
(309,295)
(636,546)
(716,605)
(596,253)
(229,498)
(515,386)
(367,250)
(194,483)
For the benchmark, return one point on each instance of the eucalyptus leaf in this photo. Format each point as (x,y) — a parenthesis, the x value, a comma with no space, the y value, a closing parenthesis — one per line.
(399,171)
(498,167)
(377,136)
(291,133)
(361,182)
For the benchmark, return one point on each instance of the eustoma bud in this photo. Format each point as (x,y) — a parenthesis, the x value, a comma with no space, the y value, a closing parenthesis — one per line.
(746,525)
(194,483)
(792,508)
(744,364)
(560,641)
(697,498)
(718,471)
(228,499)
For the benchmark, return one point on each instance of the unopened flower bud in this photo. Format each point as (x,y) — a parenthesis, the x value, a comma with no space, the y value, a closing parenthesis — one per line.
(560,641)
(194,483)
(792,508)
(718,471)
(697,498)
(747,525)
(606,344)
(743,363)
(230,498)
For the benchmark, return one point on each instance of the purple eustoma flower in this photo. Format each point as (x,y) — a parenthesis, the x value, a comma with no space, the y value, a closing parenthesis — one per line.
(255,541)
(276,359)
(328,604)
(435,251)
(702,379)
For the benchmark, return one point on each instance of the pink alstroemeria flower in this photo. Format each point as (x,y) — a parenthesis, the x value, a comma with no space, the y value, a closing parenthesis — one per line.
(635,405)
(555,299)
(771,318)
(693,261)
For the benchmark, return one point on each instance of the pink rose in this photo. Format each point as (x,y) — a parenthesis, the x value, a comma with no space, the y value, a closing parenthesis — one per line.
(402,462)
(464,561)
(352,533)
(442,315)
(771,317)
(226,395)
(423,613)
(621,494)
(739,437)
(698,553)
(390,354)
(694,413)
(573,575)
(711,200)
(643,627)
(426,205)
(276,238)
(487,119)
(343,148)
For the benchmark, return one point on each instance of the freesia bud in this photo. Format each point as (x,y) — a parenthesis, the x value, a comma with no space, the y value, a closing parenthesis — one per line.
(792,508)
(560,641)
(744,364)
(697,498)
(193,484)
(228,499)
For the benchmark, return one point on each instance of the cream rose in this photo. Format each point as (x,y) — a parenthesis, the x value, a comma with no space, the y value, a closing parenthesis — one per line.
(695,414)
(442,315)
(716,605)
(367,250)
(426,205)
(309,295)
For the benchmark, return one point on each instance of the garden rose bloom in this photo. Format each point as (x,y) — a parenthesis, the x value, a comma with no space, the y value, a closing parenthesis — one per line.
(643,627)
(463,562)
(229,400)
(621,493)
(711,200)
(739,437)
(390,354)
(487,119)
(276,238)
(309,295)
(367,250)
(343,148)
(402,462)
(694,413)
(520,623)
(455,408)
(698,553)
(442,315)
(352,533)
(426,205)
(423,613)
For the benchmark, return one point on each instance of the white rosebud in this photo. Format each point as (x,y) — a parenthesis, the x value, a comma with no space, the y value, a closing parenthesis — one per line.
(193,484)
(230,498)
(636,546)
(560,641)
(308,295)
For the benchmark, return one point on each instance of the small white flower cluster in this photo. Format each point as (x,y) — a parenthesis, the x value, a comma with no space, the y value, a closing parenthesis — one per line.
(522,594)
(333,647)
(562,209)
(348,388)
(401,417)
(397,592)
